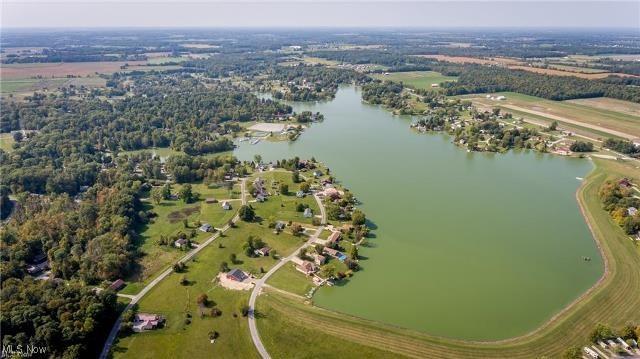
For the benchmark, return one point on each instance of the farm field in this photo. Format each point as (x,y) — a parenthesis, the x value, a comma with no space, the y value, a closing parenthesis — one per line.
(612,301)
(611,122)
(609,104)
(417,79)
(174,301)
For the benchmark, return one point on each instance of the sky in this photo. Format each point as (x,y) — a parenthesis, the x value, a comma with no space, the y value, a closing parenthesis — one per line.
(323,13)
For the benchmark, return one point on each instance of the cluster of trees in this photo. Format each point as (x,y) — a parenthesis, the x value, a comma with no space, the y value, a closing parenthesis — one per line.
(311,83)
(67,320)
(251,245)
(387,93)
(481,79)
(581,146)
(622,146)
(617,198)
(603,333)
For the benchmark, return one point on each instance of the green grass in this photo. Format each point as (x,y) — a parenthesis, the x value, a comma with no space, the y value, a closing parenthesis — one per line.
(169,221)
(6,142)
(164,152)
(165,60)
(174,300)
(289,279)
(282,207)
(416,79)
(27,85)
(286,337)
(614,301)
(608,119)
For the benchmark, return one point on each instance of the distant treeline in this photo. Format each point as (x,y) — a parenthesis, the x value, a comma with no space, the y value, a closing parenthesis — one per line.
(481,79)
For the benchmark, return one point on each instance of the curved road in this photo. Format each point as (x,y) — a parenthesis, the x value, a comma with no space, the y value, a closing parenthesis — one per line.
(116,326)
(255,336)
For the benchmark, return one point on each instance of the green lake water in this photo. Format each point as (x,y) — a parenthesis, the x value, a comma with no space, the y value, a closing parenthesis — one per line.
(467,245)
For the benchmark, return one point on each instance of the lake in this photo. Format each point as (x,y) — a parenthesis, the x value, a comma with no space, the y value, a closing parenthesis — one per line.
(467,245)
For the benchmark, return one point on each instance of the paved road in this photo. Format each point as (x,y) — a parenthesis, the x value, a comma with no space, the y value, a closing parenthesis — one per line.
(255,336)
(136,298)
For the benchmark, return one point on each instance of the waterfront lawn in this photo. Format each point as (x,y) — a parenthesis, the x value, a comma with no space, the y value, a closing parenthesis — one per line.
(285,336)
(289,279)
(173,300)
(169,222)
(613,302)
(416,79)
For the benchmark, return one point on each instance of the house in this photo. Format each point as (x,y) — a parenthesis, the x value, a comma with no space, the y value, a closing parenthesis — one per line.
(307,213)
(226,206)
(180,243)
(307,267)
(211,200)
(300,194)
(38,268)
(206,227)
(334,237)
(319,259)
(317,174)
(632,211)
(117,285)
(334,253)
(280,225)
(331,193)
(625,183)
(434,85)
(260,198)
(144,321)
(237,275)
(264,251)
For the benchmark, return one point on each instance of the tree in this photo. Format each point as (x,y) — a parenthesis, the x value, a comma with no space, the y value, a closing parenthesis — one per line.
(233,258)
(247,213)
(257,159)
(202,299)
(224,267)
(295,176)
(572,353)
(305,187)
(186,193)
(580,146)
(284,188)
(166,191)
(553,126)
(328,271)
(157,195)
(353,252)
(296,229)
(601,332)
(358,218)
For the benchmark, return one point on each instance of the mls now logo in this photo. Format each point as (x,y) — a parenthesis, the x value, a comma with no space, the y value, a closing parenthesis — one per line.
(24,351)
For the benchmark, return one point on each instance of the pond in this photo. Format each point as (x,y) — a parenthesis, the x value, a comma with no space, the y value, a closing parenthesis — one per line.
(467,245)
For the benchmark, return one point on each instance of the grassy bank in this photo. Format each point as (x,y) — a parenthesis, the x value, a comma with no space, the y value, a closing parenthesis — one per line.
(613,301)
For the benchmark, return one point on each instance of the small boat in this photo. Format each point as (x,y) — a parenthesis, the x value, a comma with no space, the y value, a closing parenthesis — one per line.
(586,259)
(255,141)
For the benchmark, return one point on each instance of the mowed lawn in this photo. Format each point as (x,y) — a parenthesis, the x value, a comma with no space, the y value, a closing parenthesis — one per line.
(588,115)
(291,280)
(279,207)
(416,79)
(615,301)
(6,142)
(174,300)
(170,221)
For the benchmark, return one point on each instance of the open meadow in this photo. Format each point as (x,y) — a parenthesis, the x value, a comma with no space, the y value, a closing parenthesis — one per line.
(416,79)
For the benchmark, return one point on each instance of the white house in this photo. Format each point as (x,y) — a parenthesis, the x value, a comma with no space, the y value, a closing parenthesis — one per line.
(307,213)
(226,205)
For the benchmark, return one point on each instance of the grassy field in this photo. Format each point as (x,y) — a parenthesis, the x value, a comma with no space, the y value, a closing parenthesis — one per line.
(280,207)
(169,221)
(164,152)
(173,300)
(416,79)
(6,142)
(598,119)
(609,104)
(289,279)
(613,301)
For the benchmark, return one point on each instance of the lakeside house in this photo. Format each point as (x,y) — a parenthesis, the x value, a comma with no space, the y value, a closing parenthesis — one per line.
(145,321)
(237,275)
(300,194)
(307,267)
(280,225)
(334,237)
(334,253)
(206,227)
(319,259)
(307,213)
(226,205)
(180,242)
(117,284)
(264,251)
(632,211)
